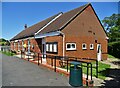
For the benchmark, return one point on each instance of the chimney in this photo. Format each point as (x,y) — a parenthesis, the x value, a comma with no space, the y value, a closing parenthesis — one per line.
(25,26)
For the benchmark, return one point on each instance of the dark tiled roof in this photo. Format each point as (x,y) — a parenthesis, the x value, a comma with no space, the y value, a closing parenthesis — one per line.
(56,25)
(30,31)
(63,20)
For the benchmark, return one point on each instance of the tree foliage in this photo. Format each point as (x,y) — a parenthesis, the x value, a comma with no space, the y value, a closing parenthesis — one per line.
(112,27)
(4,42)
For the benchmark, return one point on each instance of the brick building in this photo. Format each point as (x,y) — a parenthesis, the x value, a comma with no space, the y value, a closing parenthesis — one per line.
(76,33)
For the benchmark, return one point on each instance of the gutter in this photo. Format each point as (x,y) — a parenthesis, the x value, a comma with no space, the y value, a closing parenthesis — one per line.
(63,42)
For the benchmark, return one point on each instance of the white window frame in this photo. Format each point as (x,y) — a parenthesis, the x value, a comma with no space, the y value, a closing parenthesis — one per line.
(47,47)
(84,48)
(52,47)
(71,48)
(91,48)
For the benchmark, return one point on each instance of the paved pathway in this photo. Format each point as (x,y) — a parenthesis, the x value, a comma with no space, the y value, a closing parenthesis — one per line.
(18,72)
(113,77)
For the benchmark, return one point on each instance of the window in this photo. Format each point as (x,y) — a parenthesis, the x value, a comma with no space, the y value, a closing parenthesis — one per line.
(54,47)
(91,46)
(70,46)
(47,48)
(51,47)
(84,46)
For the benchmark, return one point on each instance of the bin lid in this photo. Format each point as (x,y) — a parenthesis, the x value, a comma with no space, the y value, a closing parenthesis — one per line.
(75,63)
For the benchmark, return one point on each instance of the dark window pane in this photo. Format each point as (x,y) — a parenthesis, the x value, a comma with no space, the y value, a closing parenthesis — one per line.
(84,46)
(68,45)
(73,45)
(91,45)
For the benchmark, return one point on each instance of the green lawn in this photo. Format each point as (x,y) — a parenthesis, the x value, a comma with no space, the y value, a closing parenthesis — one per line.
(102,69)
(8,53)
(110,56)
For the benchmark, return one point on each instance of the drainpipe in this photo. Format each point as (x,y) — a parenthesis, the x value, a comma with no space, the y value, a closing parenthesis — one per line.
(63,42)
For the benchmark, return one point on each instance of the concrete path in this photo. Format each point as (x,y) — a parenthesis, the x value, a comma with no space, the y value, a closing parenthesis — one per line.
(18,72)
(113,76)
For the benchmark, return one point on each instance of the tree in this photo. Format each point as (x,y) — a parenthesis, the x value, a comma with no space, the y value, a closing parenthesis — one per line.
(112,27)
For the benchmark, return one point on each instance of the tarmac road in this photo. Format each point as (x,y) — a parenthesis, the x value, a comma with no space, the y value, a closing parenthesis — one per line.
(18,72)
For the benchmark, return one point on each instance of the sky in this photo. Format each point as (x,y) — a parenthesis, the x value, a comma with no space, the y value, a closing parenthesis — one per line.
(16,14)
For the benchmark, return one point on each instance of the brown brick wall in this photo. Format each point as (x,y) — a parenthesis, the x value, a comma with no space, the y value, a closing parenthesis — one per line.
(58,39)
(88,53)
(33,42)
(78,31)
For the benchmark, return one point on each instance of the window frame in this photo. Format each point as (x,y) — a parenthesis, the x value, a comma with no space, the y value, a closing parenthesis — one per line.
(50,45)
(92,48)
(84,48)
(71,49)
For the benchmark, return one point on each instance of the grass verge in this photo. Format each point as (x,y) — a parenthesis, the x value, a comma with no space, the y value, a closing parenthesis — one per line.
(102,69)
(8,53)
(110,56)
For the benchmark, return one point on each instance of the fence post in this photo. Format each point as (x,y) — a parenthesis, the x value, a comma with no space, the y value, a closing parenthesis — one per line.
(87,74)
(28,57)
(55,64)
(51,61)
(67,65)
(41,58)
(21,54)
(96,69)
(91,71)
(38,58)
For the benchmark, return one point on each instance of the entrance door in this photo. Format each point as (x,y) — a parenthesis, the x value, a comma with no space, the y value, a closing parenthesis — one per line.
(99,52)
(43,50)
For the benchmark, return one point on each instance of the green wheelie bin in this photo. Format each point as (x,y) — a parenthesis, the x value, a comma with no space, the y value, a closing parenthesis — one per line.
(75,78)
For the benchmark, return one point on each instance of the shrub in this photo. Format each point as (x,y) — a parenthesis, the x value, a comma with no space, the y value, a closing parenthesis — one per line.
(114,49)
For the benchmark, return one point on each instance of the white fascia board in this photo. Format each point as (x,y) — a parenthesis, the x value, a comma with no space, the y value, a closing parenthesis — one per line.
(47,34)
(16,40)
(48,23)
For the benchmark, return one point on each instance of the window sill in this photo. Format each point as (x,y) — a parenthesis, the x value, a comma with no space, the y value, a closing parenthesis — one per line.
(84,49)
(71,50)
(52,52)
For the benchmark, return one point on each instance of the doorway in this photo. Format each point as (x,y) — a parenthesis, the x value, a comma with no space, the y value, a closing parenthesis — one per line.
(43,50)
(99,52)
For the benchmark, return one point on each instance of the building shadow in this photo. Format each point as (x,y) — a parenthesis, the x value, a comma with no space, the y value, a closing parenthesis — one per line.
(116,63)
(114,80)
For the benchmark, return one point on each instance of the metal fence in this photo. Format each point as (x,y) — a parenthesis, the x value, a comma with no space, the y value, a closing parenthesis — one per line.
(65,60)
(4,48)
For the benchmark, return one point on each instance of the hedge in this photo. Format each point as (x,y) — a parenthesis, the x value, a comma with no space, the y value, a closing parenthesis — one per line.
(114,49)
